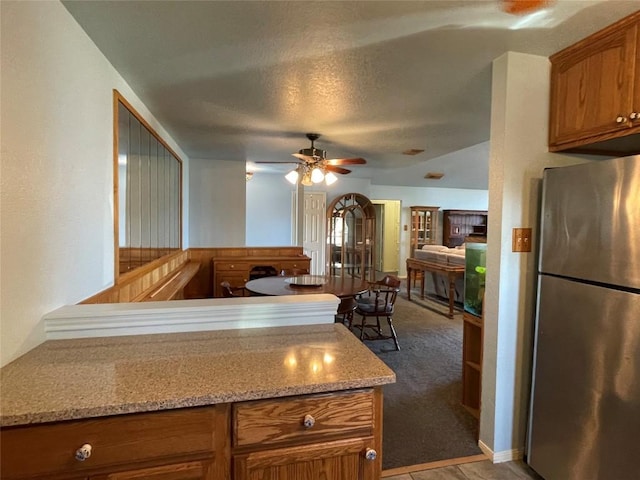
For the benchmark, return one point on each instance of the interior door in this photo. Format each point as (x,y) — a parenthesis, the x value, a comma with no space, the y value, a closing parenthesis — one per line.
(313,235)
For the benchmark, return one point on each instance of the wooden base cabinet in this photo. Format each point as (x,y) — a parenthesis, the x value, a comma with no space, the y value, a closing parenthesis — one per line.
(238,270)
(336,436)
(340,460)
(182,444)
(181,471)
(472,363)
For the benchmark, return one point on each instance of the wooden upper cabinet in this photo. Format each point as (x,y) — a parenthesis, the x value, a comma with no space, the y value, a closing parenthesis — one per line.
(595,91)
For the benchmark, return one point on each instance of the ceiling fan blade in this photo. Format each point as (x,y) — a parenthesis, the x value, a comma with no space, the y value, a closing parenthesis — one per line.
(306,158)
(346,161)
(282,163)
(333,168)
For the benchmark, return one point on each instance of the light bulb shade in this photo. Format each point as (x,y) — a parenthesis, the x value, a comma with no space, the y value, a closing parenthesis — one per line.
(292,177)
(330,178)
(306,179)
(523,7)
(317,175)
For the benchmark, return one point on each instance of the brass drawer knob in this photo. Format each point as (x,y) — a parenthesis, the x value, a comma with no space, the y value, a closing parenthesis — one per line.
(370,454)
(309,421)
(621,119)
(634,116)
(83,452)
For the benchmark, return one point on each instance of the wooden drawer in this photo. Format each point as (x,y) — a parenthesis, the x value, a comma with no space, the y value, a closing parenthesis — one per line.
(235,279)
(232,266)
(281,420)
(47,449)
(297,264)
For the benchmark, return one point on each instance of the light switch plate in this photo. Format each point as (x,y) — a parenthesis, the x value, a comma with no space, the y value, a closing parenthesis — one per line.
(521,240)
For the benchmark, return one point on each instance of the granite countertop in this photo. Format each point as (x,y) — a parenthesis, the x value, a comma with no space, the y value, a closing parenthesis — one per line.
(81,378)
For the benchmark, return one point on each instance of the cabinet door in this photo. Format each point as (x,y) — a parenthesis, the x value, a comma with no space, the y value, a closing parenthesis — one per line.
(181,471)
(591,86)
(149,438)
(340,460)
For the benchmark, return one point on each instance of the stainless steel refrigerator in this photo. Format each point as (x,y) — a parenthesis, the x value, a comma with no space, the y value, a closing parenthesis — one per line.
(584,417)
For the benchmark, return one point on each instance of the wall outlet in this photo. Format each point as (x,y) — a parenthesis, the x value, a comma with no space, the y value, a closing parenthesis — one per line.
(521,240)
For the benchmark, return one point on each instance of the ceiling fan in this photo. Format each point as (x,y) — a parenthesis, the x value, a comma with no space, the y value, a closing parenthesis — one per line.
(314,166)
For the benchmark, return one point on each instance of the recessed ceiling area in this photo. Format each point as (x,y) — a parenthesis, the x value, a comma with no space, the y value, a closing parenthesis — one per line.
(243,81)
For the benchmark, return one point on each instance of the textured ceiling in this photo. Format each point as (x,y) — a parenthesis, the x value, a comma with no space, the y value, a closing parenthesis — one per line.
(244,81)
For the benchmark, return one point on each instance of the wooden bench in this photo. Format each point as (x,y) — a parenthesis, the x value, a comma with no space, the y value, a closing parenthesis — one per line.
(171,288)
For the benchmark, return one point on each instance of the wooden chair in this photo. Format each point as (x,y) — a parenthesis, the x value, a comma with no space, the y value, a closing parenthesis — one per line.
(228,291)
(379,302)
(345,311)
(389,281)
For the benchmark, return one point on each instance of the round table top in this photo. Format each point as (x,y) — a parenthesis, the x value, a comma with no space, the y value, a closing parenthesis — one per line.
(342,286)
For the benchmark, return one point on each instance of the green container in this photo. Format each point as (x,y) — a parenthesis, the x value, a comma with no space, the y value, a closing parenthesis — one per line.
(474,277)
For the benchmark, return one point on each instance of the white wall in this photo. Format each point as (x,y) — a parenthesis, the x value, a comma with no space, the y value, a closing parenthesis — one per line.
(217,203)
(57,236)
(269,201)
(268,205)
(519,154)
(445,198)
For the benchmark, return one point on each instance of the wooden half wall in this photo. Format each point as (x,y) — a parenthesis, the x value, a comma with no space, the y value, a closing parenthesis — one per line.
(186,274)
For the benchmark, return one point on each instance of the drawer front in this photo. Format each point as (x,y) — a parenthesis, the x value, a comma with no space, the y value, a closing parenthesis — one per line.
(296,264)
(119,440)
(232,266)
(234,279)
(281,420)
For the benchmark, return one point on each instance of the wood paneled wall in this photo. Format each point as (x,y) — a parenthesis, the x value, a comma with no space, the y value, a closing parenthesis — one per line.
(202,284)
(136,285)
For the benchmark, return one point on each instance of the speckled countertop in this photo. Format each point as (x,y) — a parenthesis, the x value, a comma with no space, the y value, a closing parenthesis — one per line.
(70,379)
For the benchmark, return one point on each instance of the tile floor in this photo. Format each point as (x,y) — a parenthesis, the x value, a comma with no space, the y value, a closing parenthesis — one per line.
(482,470)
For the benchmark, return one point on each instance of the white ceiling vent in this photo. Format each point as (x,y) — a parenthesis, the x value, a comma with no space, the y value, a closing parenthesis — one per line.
(412,151)
(434,175)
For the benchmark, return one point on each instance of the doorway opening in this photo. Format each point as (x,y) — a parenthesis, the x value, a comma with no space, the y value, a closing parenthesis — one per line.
(387,252)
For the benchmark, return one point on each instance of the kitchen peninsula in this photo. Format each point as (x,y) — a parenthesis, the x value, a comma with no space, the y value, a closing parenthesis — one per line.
(203,405)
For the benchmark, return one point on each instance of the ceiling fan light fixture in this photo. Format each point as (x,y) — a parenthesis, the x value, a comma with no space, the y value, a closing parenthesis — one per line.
(317,175)
(523,7)
(330,178)
(292,177)
(306,179)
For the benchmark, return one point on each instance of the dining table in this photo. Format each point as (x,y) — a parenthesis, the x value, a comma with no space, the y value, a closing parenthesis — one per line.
(342,286)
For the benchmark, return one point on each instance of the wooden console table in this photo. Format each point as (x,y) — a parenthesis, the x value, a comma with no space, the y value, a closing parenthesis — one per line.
(451,271)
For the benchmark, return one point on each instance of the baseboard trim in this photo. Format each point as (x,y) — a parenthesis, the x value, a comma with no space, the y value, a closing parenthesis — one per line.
(431,465)
(503,456)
